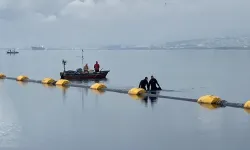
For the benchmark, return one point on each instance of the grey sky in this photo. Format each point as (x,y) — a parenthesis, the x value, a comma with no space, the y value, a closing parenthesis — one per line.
(97,22)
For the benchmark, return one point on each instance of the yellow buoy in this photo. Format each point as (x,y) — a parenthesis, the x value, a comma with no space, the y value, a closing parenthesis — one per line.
(2,76)
(247,105)
(22,78)
(62,82)
(209,99)
(98,86)
(136,91)
(48,81)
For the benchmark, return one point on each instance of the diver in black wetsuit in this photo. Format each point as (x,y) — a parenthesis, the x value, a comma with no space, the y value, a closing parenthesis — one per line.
(144,83)
(152,84)
(62,75)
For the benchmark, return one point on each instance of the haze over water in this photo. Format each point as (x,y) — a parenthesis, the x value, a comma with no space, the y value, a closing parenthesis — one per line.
(38,117)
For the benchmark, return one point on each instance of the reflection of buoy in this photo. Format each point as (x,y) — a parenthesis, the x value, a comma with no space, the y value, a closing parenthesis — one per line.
(98,92)
(1,82)
(209,106)
(22,83)
(136,97)
(48,86)
(247,110)
(64,88)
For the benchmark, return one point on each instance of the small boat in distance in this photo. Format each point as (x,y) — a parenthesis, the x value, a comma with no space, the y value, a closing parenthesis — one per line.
(79,74)
(37,47)
(12,52)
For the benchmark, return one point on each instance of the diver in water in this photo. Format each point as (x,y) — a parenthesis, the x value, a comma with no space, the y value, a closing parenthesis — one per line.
(152,84)
(62,75)
(144,83)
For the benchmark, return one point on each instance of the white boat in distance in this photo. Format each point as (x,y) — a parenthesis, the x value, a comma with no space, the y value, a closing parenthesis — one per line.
(37,48)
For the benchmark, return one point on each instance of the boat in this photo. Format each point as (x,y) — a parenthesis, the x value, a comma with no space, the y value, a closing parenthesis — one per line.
(12,52)
(37,48)
(80,75)
(75,75)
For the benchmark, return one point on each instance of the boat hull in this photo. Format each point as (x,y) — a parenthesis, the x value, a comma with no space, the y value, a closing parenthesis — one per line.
(12,52)
(37,48)
(84,76)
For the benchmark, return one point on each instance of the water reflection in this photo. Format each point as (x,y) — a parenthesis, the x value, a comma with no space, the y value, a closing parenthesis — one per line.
(22,83)
(98,92)
(137,97)
(209,106)
(1,82)
(49,86)
(151,99)
(147,99)
(83,91)
(90,81)
(64,90)
(101,80)
(247,111)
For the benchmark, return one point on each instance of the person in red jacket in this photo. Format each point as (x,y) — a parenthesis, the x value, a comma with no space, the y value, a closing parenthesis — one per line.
(96,67)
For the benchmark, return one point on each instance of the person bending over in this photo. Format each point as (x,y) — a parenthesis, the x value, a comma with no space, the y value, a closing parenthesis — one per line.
(152,84)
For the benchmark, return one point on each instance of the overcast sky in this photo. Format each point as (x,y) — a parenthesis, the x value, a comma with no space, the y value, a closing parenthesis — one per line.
(97,22)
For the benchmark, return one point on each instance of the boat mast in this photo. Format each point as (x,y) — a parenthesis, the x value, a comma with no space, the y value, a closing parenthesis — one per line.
(64,63)
(82,57)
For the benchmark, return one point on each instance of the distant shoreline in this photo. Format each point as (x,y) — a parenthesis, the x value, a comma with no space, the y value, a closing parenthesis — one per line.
(145,48)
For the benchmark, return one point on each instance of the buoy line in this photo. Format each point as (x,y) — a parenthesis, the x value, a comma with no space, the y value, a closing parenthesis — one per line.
(212,100)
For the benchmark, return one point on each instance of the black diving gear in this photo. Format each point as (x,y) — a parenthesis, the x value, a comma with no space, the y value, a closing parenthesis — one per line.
(144,83)
(152,83)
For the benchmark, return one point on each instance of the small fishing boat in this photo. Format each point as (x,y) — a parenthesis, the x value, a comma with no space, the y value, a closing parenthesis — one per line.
(79,74)
(76,75)
(12,52)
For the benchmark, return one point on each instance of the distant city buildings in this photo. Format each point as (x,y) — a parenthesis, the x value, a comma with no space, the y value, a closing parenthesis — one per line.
(224,43)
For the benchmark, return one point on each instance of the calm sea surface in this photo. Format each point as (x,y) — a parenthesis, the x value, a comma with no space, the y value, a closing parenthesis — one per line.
(33,116)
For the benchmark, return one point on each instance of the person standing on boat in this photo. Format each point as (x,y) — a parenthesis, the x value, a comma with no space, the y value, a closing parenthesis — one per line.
(86,68)
(96,67)
(144,83)
(152,84)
